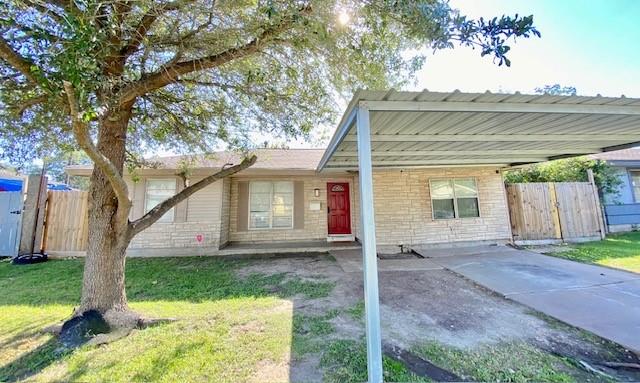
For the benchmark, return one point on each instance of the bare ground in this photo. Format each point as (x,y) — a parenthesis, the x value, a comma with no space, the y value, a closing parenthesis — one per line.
(423,306)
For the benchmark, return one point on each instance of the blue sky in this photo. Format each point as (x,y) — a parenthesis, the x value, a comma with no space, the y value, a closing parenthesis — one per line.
(593,45)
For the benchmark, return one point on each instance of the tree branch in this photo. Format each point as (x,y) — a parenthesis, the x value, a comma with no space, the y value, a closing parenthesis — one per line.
(145,24)
(28,103)
(18,62)
(159,210)
(81,133)
(170,73)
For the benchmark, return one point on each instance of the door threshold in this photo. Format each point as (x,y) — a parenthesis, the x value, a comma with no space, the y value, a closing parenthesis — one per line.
(341,238)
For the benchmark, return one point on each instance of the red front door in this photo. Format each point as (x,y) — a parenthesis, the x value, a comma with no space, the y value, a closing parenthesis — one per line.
(339,216)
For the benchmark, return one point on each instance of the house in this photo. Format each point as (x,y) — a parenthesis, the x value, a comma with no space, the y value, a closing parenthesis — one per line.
(622,209)
(436,179)
(282,198)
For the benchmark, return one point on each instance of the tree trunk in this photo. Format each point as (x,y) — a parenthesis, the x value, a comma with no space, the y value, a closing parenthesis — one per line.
(103,287)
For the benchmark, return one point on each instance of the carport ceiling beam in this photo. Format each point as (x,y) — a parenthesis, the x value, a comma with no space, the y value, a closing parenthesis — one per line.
(336,166)
(499,137)
(498,107)
(427,153)
(441,162)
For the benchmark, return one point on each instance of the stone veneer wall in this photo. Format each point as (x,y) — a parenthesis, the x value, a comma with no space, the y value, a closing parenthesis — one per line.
(403,214)
(315,222)
(402,207)
(203,217)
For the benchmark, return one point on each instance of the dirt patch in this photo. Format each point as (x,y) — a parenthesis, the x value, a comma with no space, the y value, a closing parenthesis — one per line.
(270,371)
(424,306)
(253,327)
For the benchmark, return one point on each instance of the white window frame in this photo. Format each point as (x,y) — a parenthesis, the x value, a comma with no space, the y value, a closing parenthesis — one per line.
(171,214)
(636,199)
(455,198)
(271,207)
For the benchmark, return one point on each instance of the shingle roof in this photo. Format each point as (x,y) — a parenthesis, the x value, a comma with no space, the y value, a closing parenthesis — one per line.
(272,159)
(632,154)
(268,159)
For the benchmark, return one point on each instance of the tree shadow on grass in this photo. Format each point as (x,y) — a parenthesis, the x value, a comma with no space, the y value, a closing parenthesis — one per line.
(32,362)
(185,279)
(22,334)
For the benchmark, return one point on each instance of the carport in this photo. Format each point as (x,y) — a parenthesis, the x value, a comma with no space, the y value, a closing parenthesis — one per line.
(432,129)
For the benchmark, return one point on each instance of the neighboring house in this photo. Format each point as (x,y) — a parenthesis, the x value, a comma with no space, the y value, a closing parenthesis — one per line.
(623,209)
(283,198)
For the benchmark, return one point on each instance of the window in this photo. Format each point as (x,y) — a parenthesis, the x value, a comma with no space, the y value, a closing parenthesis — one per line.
(158,190)
(270,205)
(635,184)
(454,198)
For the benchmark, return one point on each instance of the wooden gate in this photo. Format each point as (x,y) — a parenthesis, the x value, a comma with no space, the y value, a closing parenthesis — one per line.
(66,226)
(554,212)
(578,210)
(10,221)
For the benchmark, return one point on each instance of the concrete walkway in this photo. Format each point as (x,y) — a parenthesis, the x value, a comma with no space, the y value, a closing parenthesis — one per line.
(598,299)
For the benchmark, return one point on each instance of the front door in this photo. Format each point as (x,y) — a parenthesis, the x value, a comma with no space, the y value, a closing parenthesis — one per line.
(339,215)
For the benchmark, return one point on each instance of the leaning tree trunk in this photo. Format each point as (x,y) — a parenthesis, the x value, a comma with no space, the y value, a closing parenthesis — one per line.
(103,287)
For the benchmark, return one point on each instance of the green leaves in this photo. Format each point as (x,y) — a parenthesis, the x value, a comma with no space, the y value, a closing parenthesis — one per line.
(492,35)
(569,170)
(89,115)
(286,89)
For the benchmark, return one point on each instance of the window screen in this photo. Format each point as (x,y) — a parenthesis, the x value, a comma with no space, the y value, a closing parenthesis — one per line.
(635,184)
(271,204)
(454,198)
(158,190)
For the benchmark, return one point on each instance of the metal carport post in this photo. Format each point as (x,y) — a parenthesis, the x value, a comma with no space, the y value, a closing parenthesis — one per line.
(369,255)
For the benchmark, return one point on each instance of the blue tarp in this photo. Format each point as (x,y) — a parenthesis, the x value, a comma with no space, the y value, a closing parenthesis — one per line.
(16,185)
(10,185)
(58,187)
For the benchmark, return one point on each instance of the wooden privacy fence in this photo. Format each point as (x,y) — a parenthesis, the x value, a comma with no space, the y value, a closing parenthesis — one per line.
(66,221)
(554,212)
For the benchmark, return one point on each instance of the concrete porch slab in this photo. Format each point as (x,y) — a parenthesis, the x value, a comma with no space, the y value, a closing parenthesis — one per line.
(294,247)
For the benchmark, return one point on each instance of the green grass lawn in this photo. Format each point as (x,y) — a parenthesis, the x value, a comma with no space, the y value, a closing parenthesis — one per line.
(226,326)
(621,251)
(228,329)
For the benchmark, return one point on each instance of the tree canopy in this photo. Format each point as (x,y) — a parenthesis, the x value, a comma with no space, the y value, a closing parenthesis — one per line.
(121,78)
(557,90)
(202,74)
(569,170)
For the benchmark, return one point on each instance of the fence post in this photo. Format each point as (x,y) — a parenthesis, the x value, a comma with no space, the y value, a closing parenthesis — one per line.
(33,215)
(555,211)
(596,196)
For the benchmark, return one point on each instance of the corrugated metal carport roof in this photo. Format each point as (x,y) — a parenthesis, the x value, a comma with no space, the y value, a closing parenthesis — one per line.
(421,129)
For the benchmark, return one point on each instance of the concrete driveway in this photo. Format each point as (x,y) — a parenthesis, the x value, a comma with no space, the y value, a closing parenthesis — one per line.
(598,299)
